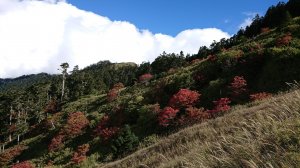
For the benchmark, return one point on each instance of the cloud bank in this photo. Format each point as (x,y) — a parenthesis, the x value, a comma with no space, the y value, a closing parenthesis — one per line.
(38,35)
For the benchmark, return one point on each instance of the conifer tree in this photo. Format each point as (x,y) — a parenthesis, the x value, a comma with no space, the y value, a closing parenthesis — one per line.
(125,142)
(64,69)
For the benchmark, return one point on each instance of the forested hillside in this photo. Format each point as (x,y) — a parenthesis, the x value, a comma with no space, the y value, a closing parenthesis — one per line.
(102,113)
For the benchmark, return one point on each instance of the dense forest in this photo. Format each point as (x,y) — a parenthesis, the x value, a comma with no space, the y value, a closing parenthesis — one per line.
(106,111)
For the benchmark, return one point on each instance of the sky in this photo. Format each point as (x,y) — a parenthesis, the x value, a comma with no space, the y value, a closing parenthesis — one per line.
(38,35)
(173,16)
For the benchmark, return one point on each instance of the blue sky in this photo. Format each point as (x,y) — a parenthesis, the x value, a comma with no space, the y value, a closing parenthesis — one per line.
(173,16)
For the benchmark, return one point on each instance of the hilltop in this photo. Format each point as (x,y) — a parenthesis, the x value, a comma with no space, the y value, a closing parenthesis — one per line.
(212,106)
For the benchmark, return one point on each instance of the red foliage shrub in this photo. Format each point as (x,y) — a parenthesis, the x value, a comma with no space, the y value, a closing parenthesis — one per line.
(155,108)
(239,54)
(145,78)
(118,86)
(224,49)
(52,106)
(260,96)
(112,95)
(166,116)
(114,92)
(56,143)
(285,40)
(184,98)
(80,155)
(25,164)
(221,105)
(199,77)
(104,130)
(104,121)
(75,123)
(212,58)
(238,86)
(12,128)
(107,133)
(195,61)
(194,113)
(9,154)
(265,30)
(50,163)
(171,70)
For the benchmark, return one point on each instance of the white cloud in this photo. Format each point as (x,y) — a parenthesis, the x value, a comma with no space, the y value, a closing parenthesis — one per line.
(36,36)
(247,21)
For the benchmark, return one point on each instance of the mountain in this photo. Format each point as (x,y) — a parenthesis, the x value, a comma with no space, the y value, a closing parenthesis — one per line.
(23,81)
(234,104)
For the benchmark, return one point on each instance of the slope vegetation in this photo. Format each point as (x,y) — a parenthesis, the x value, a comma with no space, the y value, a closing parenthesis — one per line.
(260,134)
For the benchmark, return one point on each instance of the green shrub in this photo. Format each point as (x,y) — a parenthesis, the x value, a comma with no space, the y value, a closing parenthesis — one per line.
(61,156)
(149,140)
(183,80)
(126,142)
(167,61)
(147,121)
(215,90)
(282,67)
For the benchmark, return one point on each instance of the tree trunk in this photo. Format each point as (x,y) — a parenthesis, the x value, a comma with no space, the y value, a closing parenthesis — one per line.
(10,122)
(19,116)
(10,116)
(53,126)
(63,87)
(25,117)
(18,139)
(39,116)
(64,67)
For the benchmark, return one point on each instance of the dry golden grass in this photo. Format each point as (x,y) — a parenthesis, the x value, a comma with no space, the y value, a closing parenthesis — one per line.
(267,134)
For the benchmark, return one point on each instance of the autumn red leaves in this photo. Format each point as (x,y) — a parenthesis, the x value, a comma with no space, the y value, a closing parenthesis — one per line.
(75,125)
(184,102)
(80,155)
(76,122)
(105,130)
(182,108)
(183,99)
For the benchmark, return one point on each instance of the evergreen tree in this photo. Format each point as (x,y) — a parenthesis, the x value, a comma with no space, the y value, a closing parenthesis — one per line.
(293,6)
(125,142)
(167,61)
(64,69)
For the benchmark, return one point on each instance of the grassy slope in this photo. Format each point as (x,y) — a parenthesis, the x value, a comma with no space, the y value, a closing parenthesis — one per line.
(263,134)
